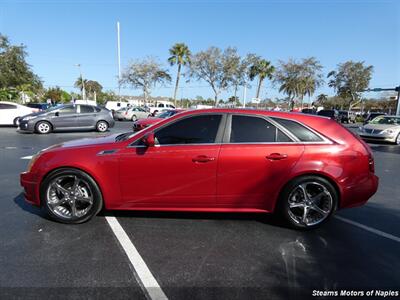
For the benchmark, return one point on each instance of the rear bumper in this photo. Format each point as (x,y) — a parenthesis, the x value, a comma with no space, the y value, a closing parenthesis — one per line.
(30,183)
(360,193)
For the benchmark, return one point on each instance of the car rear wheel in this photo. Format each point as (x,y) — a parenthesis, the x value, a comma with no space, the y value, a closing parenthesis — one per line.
(71,196)
(308,202)
(16,121)
(102,126)
(398,139)
(43,127)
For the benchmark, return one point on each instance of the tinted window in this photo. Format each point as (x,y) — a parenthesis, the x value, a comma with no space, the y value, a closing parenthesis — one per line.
(67,110)
(86,109)
(192,130)
(7,106)
(300,131)
(326,113)
(247,129)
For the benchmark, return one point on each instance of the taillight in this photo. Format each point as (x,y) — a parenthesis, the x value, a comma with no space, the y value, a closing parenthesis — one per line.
(371,164)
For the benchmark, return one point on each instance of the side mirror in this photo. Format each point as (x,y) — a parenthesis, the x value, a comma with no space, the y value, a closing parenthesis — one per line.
(56,113)
(148,140)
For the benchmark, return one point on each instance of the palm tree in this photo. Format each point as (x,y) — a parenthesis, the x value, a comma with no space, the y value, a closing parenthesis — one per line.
(263,69)
(80,84)
(180,55)
(322,98)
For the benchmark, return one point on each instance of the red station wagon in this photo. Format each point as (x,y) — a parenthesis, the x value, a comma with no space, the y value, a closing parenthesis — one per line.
(218,160)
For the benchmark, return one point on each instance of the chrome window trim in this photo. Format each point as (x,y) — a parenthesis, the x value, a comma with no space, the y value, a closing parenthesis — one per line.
(324,139)
(266,118)
(218,137)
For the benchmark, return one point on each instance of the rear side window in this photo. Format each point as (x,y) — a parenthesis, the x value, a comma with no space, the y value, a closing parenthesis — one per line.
(298,130)
(247,129)
(7,106)
(85,109)
(192,130)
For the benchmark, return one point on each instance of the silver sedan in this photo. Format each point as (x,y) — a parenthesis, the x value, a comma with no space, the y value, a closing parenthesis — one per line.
(382,128)
(131,113)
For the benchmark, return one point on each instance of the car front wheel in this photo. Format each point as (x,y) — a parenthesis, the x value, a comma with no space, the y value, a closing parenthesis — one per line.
(308,202)
(70,196)
(102,126)
(398,139)
(43,127)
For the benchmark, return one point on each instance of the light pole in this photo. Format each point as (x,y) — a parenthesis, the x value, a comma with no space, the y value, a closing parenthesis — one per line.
(83,82)
(396,89)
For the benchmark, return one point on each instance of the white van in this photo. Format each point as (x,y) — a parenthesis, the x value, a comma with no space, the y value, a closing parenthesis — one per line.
(86,102)
(116,105)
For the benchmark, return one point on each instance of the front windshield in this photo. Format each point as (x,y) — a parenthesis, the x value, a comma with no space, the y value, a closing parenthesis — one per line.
(166,114)
(386,120)
(52,108)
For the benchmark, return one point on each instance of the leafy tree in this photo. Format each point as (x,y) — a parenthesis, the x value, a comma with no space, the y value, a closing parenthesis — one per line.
(321,99)
(214,67)
(298,79)
(145,74)
(14,70)
(103,97)
(350,80)
(262,69)
(57,94)
(92,87)
(180,55)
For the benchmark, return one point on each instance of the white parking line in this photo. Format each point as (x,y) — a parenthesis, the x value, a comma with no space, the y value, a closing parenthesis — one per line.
(370,229)
(147,280)
(27,157)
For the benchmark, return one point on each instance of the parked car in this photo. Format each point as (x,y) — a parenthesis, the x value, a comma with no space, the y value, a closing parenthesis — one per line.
(382,128)
(159,106)
(347,116)
(218,160)
(330,113)
(143,123)
(39,106)
(372,116)
(67,117)
(116,105)
(130,113)
(310,111)
(10,112)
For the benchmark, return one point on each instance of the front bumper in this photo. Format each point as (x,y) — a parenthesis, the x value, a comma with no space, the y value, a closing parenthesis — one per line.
(377,137)
(26,126)
(30,183)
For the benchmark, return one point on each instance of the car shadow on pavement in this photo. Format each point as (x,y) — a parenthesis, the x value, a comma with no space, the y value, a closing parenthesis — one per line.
(265,218)
(20,201)
(395,149)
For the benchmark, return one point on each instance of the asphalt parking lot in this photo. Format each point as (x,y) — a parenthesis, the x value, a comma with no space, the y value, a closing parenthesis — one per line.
(193,256)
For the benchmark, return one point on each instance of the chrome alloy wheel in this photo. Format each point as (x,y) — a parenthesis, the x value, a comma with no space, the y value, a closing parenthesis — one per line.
(69,197)
(310,203)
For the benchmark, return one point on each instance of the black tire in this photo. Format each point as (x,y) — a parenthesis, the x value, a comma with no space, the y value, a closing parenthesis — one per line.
(397,142)
(16,121)
(102,126)
(134,118)
(292,190)
(43,127)
(45,191)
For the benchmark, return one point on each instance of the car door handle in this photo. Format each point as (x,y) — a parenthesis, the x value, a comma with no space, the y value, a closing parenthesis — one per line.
(276,156)
(202,159)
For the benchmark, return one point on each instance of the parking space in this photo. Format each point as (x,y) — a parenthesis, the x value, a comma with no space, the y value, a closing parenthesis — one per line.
(193,256)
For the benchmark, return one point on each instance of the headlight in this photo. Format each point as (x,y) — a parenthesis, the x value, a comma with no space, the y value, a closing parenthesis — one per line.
(29,118)
(32,161)
(389,131)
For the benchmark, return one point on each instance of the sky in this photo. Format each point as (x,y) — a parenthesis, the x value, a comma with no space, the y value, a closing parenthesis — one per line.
(61,34)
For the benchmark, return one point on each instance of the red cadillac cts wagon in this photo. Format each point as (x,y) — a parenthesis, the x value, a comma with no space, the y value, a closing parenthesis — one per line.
(217,160)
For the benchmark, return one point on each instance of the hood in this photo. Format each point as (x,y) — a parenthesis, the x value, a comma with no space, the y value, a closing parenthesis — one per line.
(35,114)
(88,141)
(381,126)
(148,121)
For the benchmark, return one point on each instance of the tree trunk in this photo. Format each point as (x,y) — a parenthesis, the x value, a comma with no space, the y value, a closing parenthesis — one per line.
(301,101)
(178,75)
(259,88)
